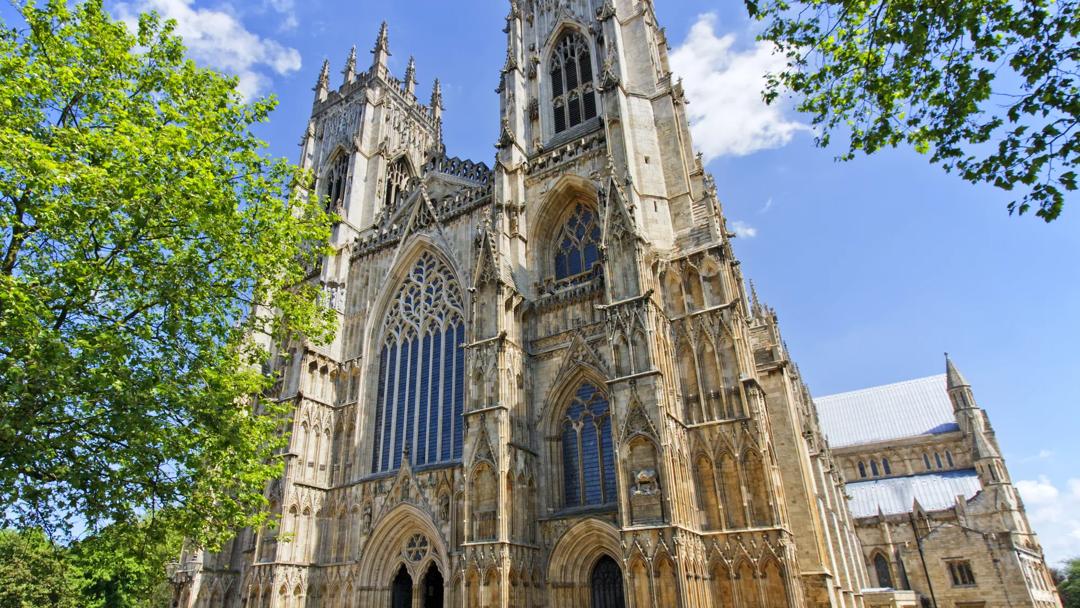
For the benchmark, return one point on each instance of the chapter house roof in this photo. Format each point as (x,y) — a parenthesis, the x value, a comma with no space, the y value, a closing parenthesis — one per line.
(883,413)
(934,491)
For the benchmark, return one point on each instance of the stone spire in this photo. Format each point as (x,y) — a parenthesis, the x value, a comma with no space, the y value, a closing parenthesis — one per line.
(381,51)
(410,77)
(350,66)
(322,86)
(436,100)
(953,377)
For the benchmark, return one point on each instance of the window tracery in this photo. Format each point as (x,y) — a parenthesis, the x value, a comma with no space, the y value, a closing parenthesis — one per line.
(335,181)
(573,95)
(587,453)
(398,174)
(420,392)
(577,246)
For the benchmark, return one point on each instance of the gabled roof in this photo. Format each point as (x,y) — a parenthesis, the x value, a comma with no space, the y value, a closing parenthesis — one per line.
(881,413)
(934,491)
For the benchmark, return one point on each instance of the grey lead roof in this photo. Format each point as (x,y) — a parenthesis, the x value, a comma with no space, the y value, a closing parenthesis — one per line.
(895,495)
(882,413)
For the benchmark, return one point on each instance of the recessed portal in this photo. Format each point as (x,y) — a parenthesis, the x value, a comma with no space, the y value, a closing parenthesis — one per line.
(401,596)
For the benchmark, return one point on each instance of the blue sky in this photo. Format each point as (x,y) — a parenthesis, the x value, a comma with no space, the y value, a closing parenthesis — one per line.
(875,266)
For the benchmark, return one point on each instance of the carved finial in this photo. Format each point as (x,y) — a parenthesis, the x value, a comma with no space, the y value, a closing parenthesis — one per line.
(436,100)
(382,43)
(755,303)
(350,66)
(323,84)
(381,51)
(410,76)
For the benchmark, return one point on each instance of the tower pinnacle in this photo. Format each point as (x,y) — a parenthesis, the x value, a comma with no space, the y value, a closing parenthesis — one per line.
(410,77)
(322,85)
(350,66)
(381,51)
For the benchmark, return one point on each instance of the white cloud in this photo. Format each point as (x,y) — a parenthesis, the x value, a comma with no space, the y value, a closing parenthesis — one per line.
(744,230)
(768,205)
(1055,515)
(217,39)
(287,10)
(726,112)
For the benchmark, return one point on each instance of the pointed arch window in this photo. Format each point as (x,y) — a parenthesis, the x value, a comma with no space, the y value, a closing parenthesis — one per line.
(420,392)
(398,174)
(884,574)
(587,454)
(577,246)
(335,181)
(573,95)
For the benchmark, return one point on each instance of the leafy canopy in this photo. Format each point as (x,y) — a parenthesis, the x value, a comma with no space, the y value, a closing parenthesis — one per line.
(150,251)
(1068,583)
(987,88)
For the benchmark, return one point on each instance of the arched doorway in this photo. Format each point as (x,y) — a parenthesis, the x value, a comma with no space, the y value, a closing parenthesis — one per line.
(401,594)
(432,594)
(606,583)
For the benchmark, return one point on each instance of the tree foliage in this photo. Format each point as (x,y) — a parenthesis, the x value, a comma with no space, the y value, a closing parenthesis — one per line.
(145,236)
(1068,583)
(33,572)
(987,88)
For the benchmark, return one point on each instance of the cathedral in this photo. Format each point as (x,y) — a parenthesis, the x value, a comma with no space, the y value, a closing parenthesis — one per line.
(549,385)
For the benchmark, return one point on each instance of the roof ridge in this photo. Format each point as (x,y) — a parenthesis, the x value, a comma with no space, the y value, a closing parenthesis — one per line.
(880,386)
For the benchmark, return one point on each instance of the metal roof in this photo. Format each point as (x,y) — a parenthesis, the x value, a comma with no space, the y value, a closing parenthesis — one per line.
(893,411)
(895,495)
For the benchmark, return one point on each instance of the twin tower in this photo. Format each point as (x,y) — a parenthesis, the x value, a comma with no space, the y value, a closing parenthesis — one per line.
(549,386)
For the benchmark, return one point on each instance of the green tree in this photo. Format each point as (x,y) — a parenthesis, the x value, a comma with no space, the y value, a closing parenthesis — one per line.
(33,573)
(145,236)
(123,566)
(988,88)
(1068,583)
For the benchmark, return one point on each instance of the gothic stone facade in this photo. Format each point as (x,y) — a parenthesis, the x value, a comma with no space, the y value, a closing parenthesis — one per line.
(549,387)
(931,497)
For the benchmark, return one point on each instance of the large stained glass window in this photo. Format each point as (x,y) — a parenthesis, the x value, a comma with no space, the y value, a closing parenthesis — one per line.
(421,381)
(588,457)
(577,249)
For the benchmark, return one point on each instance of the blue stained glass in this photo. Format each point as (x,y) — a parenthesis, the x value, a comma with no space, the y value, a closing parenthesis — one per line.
(588,453)
(447,394)
(401,405)
(607,453)
(573,265)
(590,462)
(560,266)
(420,394)
(459,389)
(388,414)
(433,420)
(592,255)
(571,483)
(379,403)
(425,402)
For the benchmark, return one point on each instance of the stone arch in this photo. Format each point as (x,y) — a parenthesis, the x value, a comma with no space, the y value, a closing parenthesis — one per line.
(723,585)
(881,568)
(755,474)
(642,466)
(638,578)
(705,487)
(574,555)
(731,491)
(553,210)
(483,498)
(665,581)
(746,585)
(550,428)
(382,555)
(561,29)
(397,277)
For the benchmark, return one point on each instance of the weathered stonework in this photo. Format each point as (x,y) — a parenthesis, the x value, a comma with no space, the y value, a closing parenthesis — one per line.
(604,419)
